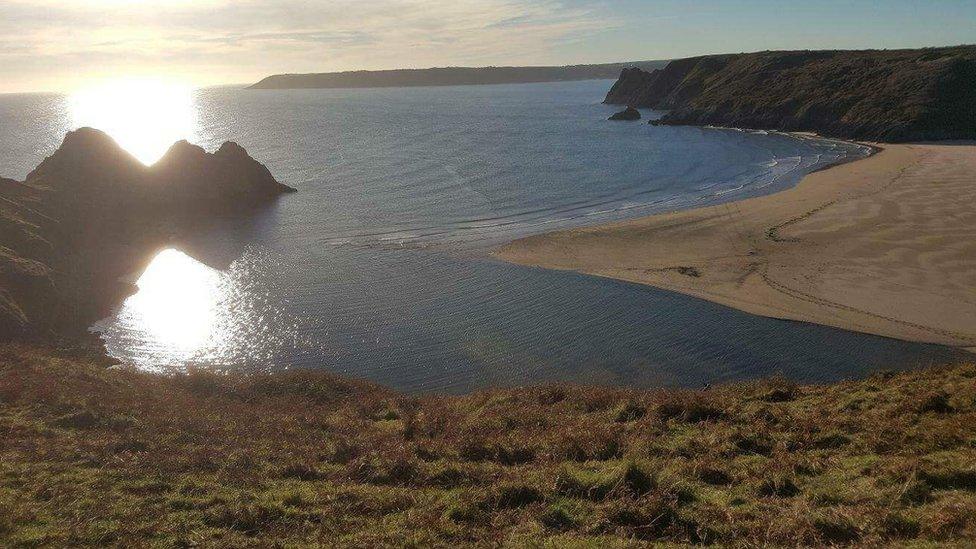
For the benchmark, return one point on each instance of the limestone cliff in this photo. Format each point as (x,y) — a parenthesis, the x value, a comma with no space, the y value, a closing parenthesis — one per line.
(891,96)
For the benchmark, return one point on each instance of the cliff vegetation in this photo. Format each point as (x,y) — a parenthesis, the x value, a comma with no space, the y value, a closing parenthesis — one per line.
(887,95)
(106,457)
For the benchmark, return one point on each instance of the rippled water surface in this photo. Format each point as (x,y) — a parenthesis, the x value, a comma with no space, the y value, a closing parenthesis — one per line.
(379,266)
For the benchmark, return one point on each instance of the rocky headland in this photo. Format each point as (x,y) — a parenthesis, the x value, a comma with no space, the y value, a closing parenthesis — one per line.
(874,95)
(449,76)
(91,214)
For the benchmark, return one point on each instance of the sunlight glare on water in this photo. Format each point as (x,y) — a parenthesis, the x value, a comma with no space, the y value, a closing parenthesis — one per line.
(145,116)
(187,313)
(177,303)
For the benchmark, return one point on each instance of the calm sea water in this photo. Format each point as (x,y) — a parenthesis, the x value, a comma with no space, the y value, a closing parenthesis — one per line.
(379,267)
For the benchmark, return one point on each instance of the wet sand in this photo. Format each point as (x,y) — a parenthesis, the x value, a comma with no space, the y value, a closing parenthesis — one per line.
(885,245)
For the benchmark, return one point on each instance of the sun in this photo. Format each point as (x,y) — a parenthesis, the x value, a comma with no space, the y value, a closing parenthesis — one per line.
(144,115)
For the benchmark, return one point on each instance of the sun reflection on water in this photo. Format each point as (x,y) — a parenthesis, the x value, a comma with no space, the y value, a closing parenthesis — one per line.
(145,116)
(177,304)
(186,313)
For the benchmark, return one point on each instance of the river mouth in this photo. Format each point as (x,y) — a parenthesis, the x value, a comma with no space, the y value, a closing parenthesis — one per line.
(462,330)
(379,267)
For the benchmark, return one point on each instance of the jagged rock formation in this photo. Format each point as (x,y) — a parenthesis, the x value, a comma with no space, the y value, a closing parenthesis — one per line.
(91,213)
(449,76)
(632,87)
(628,114)
(892,96)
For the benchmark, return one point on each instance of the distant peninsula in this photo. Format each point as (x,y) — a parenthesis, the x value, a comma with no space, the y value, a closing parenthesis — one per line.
(90,214)
(451,76)
(873,95)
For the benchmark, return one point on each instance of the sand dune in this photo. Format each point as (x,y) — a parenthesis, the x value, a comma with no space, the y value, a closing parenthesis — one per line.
(884,245)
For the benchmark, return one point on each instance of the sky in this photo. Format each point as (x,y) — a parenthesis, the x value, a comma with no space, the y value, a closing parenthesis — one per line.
(64,45)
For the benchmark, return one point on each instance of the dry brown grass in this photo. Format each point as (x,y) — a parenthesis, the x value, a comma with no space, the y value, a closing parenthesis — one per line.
(96,457)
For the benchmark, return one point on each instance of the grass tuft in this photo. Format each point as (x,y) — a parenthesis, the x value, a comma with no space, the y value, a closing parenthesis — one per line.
(936,403)
(558,517)
(690,408)
(515,496)
(629,411)
(300,471)
(837,528)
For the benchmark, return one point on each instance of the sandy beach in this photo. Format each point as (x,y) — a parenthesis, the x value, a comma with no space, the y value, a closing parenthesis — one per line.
(885,245)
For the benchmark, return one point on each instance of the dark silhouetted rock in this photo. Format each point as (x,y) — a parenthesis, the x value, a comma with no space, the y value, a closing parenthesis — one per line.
(91,213)
(889,95)
(631,87)
(628,114)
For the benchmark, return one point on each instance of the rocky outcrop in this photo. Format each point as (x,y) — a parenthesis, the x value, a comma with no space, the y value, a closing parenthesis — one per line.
(628,114)
(91,213)
(231,176)
(631,87)
(892,96)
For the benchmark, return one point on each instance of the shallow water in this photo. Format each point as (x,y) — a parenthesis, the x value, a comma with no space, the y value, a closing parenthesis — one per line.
(378,267)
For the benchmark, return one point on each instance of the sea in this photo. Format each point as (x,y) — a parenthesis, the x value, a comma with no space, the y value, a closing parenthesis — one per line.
(380,266)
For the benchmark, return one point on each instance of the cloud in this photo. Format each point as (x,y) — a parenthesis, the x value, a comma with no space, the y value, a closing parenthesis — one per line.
(220,40)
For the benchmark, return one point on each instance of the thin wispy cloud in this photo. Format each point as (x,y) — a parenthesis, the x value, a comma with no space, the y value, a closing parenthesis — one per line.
(59,42)
(63,44)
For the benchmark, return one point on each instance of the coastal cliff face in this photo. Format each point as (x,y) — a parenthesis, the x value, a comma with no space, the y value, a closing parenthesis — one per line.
(91,213)
(888,96)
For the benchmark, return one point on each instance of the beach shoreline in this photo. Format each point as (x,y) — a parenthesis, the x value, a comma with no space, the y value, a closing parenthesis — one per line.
(884,245)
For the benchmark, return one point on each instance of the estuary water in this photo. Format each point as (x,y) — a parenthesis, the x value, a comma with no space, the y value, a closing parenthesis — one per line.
(380,267)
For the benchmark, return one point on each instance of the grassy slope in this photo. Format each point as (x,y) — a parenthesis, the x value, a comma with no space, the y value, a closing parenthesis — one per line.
(94,457)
